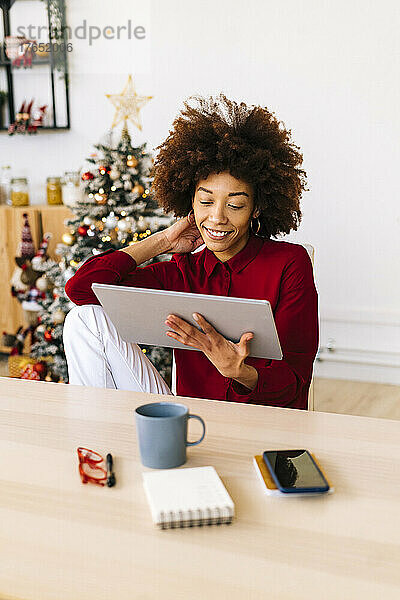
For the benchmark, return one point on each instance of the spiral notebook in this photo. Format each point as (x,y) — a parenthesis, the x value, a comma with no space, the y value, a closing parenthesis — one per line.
(187,497)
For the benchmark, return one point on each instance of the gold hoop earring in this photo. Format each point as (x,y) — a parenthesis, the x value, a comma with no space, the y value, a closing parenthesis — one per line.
(258,227)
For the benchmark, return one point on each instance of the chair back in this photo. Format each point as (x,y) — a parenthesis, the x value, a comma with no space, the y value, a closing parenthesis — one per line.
(310,403)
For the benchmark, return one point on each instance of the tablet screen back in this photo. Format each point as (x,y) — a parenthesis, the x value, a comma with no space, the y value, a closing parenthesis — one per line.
(139,316)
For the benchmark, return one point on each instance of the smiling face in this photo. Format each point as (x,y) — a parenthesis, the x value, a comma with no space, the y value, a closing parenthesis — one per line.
(223,208)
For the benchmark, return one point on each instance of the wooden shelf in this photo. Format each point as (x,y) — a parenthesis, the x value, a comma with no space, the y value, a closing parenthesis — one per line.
(57,64)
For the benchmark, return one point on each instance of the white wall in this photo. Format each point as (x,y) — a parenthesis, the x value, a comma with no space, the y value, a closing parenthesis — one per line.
(329,69)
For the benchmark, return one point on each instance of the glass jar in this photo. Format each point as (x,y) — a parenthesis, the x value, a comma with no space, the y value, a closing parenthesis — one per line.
(54,190)
(5,184)
(71,191)
(19,191)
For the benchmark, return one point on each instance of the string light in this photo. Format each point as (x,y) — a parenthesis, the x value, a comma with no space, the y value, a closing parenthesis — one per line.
(101,191)
(113,188)
(90,195)
(123,213)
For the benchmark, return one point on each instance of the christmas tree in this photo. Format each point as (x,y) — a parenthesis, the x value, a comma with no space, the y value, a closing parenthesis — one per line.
(117,209)
(44,309)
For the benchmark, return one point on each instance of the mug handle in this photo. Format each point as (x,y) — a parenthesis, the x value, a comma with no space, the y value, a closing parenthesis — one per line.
(204,430)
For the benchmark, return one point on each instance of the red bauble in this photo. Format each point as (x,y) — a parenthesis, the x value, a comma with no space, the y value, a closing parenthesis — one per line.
(88,175)
(47,335)
(103,170)
(41,368)
(83,229)
(30,373)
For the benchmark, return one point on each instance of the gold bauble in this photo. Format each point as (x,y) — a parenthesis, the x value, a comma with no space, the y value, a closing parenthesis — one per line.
(68,239)
(41,283)
(100,198)
(138,189)
(131,161)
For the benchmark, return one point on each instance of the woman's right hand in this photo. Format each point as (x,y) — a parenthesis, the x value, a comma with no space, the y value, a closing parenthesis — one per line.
(183,236)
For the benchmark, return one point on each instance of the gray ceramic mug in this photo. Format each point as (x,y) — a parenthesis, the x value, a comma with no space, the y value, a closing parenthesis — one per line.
(162,434)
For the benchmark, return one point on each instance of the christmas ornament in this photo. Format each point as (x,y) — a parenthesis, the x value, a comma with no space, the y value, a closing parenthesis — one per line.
(138,189)
(30,373)
(100,199)
(37,118)
(111,221)
(131,161)
(103,170)
(24,121)
(37,262)
(58,316)
(41,368)
(128,105)
(83,229)
(114,174)
(41,283)
(87,176)
(68,239)
(48,335)
(16,284)
(27,249)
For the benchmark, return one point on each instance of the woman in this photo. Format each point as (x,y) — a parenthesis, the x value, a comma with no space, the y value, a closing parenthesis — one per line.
(233,174)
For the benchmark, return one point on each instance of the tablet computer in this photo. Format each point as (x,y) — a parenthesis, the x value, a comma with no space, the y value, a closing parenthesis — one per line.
(139,316)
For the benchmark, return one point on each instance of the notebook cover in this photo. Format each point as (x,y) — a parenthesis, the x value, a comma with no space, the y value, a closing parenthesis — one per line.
(182,497)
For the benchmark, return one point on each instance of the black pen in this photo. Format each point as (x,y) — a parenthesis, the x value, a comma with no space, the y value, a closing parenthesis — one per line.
(110,474)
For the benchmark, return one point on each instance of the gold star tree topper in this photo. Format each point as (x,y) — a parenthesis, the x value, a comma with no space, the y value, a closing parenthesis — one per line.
(128,105)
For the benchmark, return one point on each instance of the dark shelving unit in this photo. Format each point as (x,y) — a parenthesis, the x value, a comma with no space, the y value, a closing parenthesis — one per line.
(5,63)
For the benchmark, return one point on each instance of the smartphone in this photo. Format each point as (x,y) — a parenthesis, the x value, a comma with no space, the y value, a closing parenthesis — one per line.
(295,471)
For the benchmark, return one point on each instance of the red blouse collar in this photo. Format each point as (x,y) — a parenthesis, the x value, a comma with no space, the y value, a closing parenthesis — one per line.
(237,262)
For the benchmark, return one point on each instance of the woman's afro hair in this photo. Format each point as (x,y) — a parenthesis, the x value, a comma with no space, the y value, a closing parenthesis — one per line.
(217,135)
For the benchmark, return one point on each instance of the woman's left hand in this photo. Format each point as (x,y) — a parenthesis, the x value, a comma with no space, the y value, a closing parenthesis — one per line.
(225,355)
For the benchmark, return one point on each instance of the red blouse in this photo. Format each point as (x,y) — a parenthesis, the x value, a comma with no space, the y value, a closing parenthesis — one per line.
(280,272)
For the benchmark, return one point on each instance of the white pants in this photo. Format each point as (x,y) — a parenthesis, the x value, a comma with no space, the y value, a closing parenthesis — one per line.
(98,357)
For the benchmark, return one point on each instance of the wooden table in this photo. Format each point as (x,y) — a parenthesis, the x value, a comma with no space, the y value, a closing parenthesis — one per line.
(62,540)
